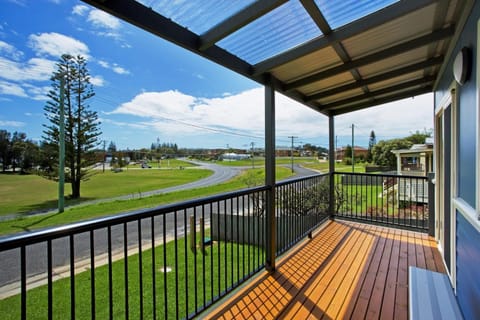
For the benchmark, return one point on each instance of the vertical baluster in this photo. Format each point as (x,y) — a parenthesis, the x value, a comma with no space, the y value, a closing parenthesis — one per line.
(176,263)
(92,273)
(165,284)
(23,282)
(50,279)
(195,271)
(185,235)
(140,264)
(219,250)
(125,267)
(72,278)
(154,280)
(244,241)
(238,238)
(110,273)
(249,231)
(203,256)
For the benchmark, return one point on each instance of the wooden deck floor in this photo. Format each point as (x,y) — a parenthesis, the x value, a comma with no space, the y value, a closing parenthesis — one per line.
(347,271)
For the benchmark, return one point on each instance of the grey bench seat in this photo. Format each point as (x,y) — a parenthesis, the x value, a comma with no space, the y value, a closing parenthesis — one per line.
(431,296)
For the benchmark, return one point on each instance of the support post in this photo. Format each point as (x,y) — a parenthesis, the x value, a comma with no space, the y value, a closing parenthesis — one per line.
(431,203)
(331,165)
(270,176)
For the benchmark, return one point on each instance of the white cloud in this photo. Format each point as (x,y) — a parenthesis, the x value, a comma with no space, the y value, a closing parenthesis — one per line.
(55,44)
(12,89)
(115,67)
(101,19)
(97,81)
(395,119)
(15,124)
(120,70)
(37,69)
(10,51)
(175,113)
(38,93)
(80,10)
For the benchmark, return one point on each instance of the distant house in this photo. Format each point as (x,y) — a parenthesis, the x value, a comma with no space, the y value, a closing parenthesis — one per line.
(416,161)
(231,156)
(359,152)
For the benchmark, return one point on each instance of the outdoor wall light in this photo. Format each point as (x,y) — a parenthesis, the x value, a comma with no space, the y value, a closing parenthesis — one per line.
(462,65)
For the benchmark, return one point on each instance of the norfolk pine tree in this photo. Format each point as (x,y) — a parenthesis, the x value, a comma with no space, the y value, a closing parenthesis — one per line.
(82,128)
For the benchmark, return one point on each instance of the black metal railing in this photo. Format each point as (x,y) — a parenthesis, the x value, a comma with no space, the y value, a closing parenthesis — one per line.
(167,262)
(301,206)
(175,261)
(393,200)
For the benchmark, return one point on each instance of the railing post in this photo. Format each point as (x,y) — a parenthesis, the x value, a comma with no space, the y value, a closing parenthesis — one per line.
(431,203)
(331,165)
(270,222)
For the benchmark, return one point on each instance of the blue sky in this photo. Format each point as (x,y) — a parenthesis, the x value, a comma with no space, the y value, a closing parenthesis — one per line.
(147,88)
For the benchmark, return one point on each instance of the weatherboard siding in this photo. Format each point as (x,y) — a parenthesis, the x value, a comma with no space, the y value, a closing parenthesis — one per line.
(468,268)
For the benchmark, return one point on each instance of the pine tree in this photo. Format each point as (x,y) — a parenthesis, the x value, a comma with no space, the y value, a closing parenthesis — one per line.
(82,128)
(371,143)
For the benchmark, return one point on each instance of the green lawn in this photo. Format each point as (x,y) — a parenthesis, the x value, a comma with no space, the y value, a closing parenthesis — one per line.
(24,193)
(260,161)
(76,214)
(339,167)
(210,268)
(165,163)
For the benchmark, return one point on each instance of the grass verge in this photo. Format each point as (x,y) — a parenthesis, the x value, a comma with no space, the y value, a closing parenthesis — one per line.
(222,265)
(76,214)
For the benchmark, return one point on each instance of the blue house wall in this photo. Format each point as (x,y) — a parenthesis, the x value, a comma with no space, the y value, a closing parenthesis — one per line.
(467,239)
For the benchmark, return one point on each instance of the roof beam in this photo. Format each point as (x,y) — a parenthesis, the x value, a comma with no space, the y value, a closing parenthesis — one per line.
(378,78)
(387,53)
(316,16)
(379,101)
(147,19)
(406,85)
(371,21)
(237,21)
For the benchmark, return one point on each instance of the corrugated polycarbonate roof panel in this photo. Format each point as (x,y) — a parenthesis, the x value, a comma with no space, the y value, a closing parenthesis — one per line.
(341,96)
(340,13)
(396,80)
(327,83)
(197,16)
(396,31)
(279,30)
(397,61)
(317,61)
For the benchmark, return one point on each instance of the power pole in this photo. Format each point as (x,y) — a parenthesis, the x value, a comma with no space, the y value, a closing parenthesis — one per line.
(353,148)
(291,151)
(253,154)
(61,158)
(104,154)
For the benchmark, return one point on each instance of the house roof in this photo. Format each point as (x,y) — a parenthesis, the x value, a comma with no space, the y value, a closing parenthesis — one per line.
(333,56)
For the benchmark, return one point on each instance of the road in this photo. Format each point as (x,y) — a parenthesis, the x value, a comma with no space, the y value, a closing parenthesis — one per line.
(36,262)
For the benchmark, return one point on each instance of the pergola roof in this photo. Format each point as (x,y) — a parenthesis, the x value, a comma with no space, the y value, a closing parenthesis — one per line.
(334,56)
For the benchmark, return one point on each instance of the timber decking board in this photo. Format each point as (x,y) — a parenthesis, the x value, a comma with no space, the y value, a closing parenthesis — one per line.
(347,271)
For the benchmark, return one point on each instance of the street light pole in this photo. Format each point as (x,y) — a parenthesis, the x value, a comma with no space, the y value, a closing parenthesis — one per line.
(291,151)
(61,157)
(253,155)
